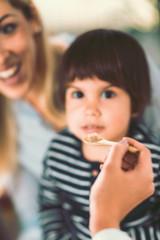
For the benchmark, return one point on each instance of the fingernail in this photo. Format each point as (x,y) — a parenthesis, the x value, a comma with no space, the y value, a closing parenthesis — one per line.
(123,141)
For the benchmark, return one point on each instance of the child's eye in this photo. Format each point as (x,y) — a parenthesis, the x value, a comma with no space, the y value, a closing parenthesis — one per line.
(8,28)
(108,94)
(77,94)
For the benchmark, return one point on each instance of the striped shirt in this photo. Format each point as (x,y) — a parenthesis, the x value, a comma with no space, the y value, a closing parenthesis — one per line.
(65,188)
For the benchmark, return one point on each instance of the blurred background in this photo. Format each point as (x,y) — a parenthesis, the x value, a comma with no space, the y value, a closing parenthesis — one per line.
(141,18)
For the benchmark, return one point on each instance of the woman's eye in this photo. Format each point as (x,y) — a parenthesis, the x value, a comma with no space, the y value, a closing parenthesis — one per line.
(8,28)
(77,94)
(108,94)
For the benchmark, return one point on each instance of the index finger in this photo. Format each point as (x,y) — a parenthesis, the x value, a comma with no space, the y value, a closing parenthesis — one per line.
(144,153)
(136,144)
(116,154)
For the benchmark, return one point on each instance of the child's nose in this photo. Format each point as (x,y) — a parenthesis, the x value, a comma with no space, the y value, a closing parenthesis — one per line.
(92,110)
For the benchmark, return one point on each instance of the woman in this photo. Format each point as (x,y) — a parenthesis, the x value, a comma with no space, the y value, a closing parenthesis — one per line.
(28,117)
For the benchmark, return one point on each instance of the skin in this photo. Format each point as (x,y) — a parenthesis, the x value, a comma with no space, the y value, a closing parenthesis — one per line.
(93,105)
(17,54)
(131,187)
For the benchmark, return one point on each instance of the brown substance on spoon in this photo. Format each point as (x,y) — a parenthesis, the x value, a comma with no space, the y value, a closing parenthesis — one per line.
(130,159)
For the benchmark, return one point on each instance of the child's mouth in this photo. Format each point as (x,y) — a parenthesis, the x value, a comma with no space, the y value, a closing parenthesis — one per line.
(92,128)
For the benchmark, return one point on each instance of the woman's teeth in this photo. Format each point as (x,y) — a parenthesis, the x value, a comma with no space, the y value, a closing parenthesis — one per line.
(9,72)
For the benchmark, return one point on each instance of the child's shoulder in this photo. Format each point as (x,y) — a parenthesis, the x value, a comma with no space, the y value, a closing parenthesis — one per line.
(65,137)
(144,136)
(63,147)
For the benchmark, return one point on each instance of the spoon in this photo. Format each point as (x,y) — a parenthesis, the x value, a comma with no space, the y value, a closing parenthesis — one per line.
(95,140)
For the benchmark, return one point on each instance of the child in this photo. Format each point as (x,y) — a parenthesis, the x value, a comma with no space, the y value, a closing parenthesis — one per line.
(104,88)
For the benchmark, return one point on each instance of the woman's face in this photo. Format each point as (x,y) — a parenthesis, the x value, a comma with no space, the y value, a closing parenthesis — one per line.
(17,52)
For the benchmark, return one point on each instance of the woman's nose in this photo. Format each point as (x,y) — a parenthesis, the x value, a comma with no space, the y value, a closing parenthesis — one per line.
(3,56)
(4,52)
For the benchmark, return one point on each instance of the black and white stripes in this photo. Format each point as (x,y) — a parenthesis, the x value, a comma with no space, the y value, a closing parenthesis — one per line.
(65,188)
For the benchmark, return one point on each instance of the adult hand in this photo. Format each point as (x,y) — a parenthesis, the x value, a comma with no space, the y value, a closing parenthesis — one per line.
(116,192)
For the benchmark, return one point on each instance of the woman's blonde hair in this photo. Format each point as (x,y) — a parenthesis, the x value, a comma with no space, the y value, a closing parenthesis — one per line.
(45,68)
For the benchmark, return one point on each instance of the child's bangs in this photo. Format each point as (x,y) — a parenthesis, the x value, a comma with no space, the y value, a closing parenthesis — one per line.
(95,61)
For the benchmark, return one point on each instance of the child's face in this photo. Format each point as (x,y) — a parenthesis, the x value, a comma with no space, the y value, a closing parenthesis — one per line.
(97,106)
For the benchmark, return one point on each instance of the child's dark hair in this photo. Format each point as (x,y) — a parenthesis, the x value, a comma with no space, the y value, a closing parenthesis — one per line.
(111,56)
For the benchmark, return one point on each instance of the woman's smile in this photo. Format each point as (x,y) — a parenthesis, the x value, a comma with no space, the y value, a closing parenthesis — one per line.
(9,76)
